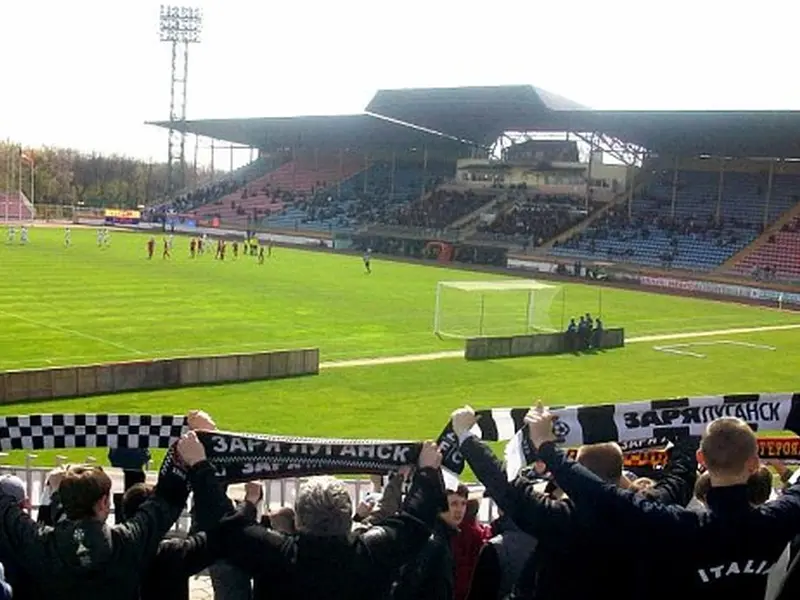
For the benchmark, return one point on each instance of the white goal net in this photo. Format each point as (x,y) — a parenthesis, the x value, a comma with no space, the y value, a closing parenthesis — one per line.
(466,309)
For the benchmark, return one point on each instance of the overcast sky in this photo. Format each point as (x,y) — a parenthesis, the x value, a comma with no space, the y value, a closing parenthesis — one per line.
(88,73)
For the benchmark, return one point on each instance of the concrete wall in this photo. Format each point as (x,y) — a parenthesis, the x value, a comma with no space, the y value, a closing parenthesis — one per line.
(532,345)
(48,384)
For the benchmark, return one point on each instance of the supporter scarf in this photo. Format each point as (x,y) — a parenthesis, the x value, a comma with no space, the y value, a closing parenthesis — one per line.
(638,426)
(643,424)
(241,457)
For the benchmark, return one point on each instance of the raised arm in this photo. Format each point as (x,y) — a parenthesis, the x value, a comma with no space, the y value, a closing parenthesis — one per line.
(397,539)
(629,510)
(20,536)
(142,534)
(534,513)
(676,485)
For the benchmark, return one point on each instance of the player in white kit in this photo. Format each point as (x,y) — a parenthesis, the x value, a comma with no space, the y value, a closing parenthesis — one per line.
(11,234)
(23,235)
(67,237)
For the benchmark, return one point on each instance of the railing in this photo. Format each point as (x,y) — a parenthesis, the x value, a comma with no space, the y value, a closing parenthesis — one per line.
(277,492)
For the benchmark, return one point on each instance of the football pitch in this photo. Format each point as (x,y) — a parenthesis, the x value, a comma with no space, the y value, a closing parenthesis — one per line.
(83,304)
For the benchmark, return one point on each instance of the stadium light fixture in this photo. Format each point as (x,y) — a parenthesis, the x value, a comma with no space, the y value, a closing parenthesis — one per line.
(181,24)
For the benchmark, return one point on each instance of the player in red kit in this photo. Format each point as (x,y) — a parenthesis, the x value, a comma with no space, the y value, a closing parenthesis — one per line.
(192,247)
(151,246)
(222,249)
(166,253)
(235,249)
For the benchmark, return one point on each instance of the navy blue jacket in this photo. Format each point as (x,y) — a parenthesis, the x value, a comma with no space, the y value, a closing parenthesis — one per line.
(725,552)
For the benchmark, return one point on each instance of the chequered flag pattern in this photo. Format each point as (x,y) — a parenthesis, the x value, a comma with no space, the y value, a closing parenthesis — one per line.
(40,432)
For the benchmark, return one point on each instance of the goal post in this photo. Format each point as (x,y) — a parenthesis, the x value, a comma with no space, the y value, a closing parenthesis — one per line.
(465,309)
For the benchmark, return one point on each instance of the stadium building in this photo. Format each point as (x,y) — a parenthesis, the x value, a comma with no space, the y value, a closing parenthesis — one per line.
(517,176)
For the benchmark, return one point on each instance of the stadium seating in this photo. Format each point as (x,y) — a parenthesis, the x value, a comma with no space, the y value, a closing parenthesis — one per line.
(14,208)
(272,192)
(778,257)
(692,239)
(368,196)
(533,221)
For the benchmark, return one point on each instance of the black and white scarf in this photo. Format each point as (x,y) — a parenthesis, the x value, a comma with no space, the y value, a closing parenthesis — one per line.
(638,425)
(242,457)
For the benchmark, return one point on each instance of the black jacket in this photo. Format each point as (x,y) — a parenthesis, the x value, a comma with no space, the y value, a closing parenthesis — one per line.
(568,537)
(725,552)
(431,575)
(307,567)
(88,559)
(180,557)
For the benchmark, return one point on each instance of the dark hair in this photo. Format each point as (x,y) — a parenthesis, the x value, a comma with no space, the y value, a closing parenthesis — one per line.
(134,497)
(82,488)
(461,490)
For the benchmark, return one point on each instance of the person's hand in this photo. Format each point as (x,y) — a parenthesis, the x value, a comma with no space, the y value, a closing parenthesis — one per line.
(463,419)
(430,456)
(190,450)
(200,420)
(540,425)
(253,492)
(405,471)
(364,508)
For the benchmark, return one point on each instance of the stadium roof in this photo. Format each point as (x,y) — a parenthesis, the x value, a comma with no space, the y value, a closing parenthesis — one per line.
(475,113)
(719,133)
(336,131)
(442,118)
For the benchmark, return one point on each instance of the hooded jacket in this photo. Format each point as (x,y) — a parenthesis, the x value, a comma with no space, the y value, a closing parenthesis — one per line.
(87,559)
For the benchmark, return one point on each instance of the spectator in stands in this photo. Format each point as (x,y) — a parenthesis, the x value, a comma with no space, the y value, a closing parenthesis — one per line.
(566,534)
(324,560)
(501,561)
(14,576)
(431,575)
(133,462)
(81,556)
(724,552)
(467,544)
(283,520)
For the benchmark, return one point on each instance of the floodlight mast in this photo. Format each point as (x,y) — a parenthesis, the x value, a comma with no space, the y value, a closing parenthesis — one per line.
(179,26)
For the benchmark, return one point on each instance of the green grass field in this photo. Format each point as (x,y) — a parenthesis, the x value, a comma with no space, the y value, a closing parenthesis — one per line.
(82,305)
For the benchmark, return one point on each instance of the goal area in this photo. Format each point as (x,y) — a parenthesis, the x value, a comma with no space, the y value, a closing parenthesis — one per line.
(468,309)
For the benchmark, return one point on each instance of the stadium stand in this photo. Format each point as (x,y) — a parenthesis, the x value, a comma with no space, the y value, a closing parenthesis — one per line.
(778,257)
(701,231)
(16,207)
(371,195)
(530,221)
(281,190)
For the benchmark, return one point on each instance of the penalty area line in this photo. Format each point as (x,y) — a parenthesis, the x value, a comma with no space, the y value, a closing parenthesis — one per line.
(72,332)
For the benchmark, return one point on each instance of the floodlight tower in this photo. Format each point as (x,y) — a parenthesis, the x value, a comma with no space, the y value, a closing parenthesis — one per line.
(180,26)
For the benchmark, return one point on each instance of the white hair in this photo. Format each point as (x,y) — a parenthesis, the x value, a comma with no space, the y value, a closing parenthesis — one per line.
(323,507)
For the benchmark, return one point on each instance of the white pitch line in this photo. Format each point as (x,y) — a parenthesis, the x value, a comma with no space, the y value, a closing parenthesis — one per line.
(72,332)
(700,334)
(408,358)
